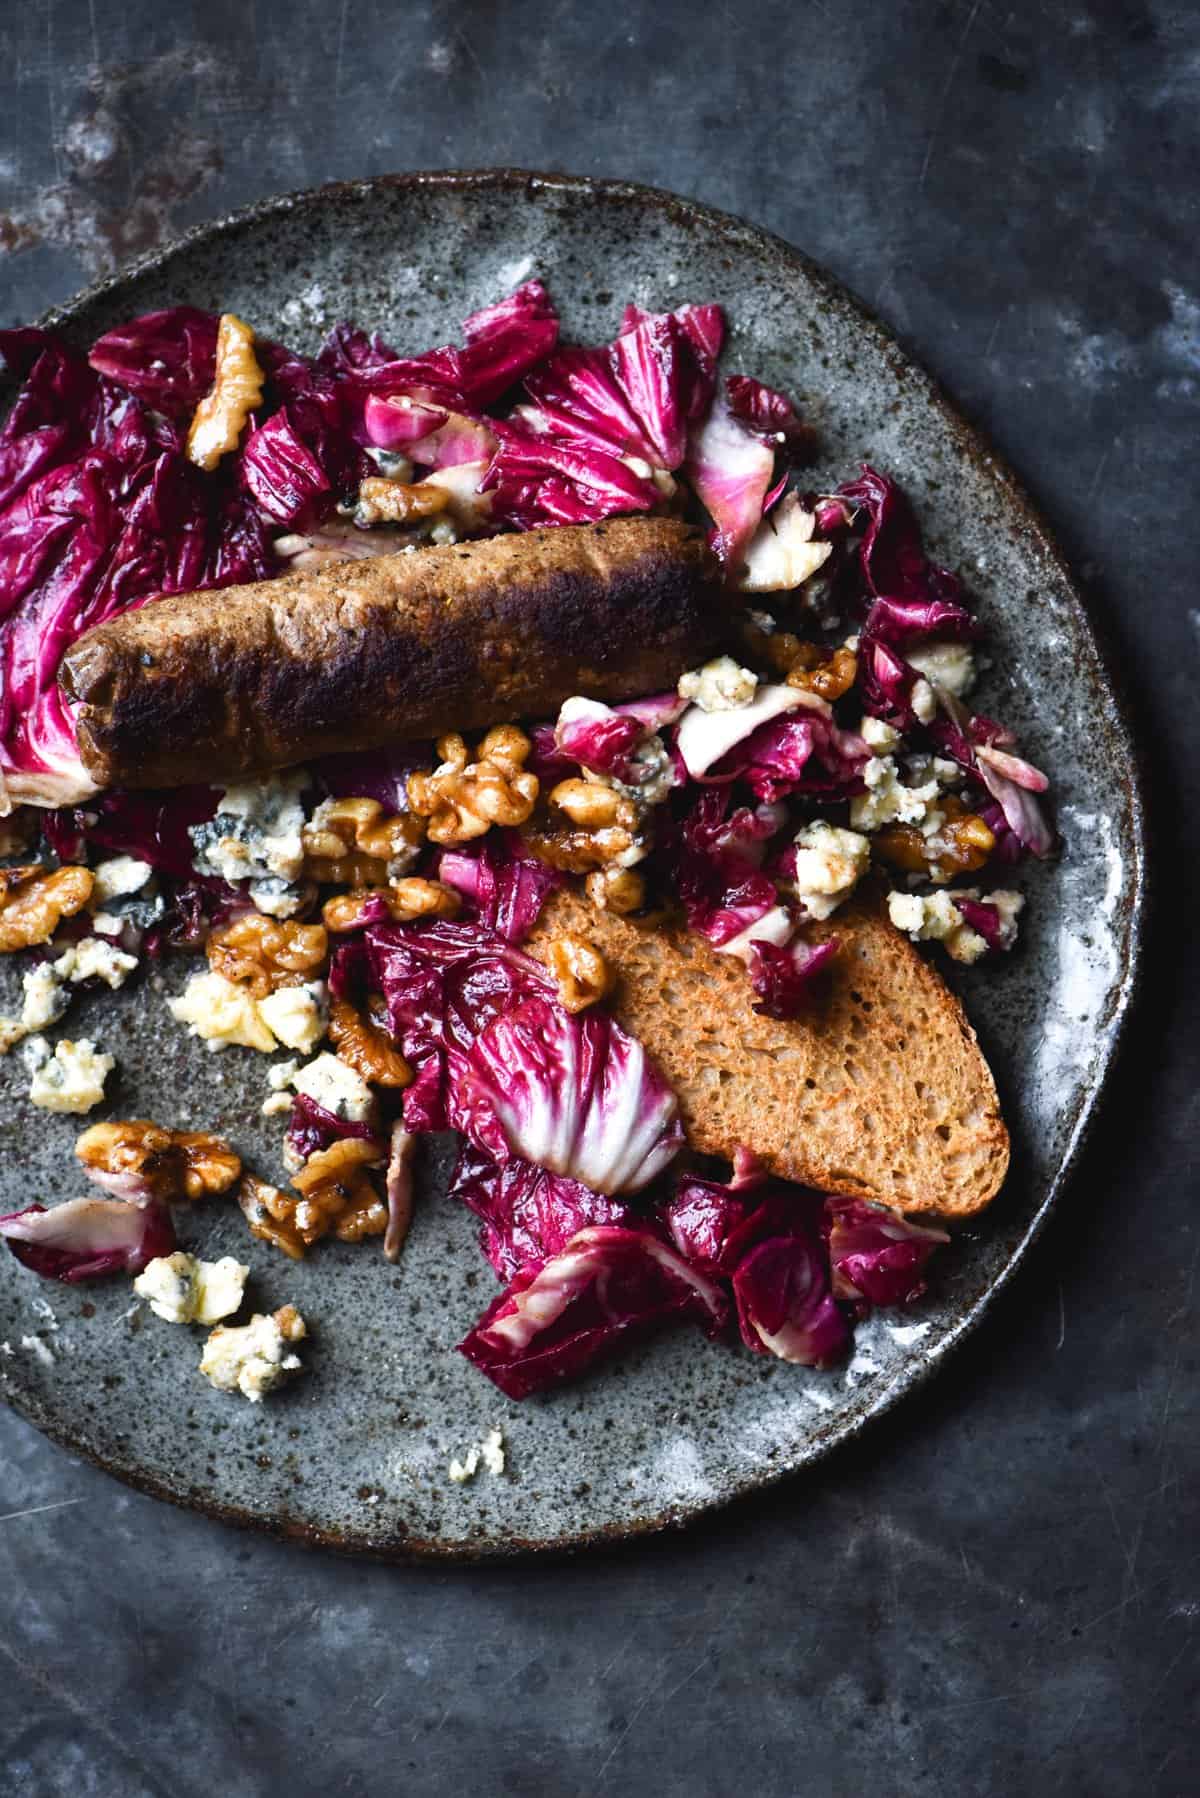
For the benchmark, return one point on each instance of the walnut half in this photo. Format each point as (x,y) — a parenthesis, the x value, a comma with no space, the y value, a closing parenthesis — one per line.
(34,900)
(138,1159)
(265,954)
(463,799)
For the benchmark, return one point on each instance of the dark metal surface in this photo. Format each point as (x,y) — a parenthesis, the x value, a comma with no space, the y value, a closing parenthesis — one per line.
(999,1587)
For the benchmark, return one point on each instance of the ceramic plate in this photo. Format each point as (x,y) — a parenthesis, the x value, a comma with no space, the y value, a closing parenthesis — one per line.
(356,1453)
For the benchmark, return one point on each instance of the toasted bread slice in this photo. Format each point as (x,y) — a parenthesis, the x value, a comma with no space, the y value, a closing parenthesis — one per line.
(880,1091)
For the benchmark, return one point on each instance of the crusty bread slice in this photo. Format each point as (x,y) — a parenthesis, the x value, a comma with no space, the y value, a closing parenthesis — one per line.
(880,1091)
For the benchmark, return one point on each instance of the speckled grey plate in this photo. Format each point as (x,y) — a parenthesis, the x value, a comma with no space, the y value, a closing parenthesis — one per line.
(356,1453)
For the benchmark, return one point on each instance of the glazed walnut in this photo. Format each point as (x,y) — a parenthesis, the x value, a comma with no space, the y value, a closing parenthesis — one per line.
(354,842)
(616,889)
(403,901)
(827,677)
(589,825)
(236,392)
(334,1193)
(463,799)
(362,1045)
(34,900)
(582,974)
(381,501)
(265,954)
(138,1159)
(961,845)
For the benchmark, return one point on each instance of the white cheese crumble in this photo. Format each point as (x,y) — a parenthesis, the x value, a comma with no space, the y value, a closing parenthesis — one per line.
(94,959)
(221,1013)
(879,737)
(720,686)
(256,832)
(924,701)
(45,997)
(888,801)
(277,898)
(45,1000)
(297,1015)
(829,864)
(934,917)
(950,666)
(72,1079)
(336,1087)
(256,1357)
(279,1078)
(489,1453)
(117,878)
(183,1290)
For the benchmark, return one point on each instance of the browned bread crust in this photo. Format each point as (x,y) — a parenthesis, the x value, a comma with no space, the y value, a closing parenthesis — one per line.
(363,654)
(880,1091)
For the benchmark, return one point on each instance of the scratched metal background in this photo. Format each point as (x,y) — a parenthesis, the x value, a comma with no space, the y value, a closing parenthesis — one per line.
(1000,1587)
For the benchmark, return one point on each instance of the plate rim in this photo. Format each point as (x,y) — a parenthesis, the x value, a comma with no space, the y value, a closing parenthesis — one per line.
(972,442)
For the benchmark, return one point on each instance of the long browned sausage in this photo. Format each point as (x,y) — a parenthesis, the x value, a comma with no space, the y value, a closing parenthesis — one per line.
(362,654)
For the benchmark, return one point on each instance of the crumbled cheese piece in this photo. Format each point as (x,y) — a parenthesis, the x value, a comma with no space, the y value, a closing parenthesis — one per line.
(256,832)
(256,1357)
(94,959)
(183,1290)
(467,1468)
(720,686)
(934,917)
(220,1013)
(36,1053)
(923,700)
(115,879)
(336,1087)
(1008,904)
(297,1015)
(489,1453)
(72,1079)
(762,621)
(277,898)
(829,864)
(45,1000)
(950,666)
(12,1030)
(492,1451)
(888,801)
(279,1079)
(878,736)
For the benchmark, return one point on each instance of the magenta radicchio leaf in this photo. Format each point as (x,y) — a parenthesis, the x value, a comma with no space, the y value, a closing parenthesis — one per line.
(528,1213)
(597,737)
(634,397)
(503,342)
(311,1128)
(891,553)
(702,1215)
(805,752)
(85,1239)
(885,683)
(167,359)
(606,1287)
(151,826)
(442,983)
(537,482)
(381,774)
(877,1256)
(783,974)
(573,1093)
(903,621)
(349,351)
(1013,783)
(282,474)
(781,1283)
(730,468)
(502,881)
(720,880)
(772,415)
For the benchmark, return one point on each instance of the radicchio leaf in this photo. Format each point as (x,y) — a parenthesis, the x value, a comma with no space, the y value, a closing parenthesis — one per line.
(504,884)
(573,1093)
(876,1255)
(608,1286)
(529,1214)
(783,974)
(87,1239)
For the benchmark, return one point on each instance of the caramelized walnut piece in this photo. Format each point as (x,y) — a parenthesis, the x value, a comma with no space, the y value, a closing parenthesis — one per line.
(616,889)
(582,974)
(269,1215)
(827,679)
(961,845)
(363,1046)
(353,841)
(265,954)
(463,799)
(592,806)
(336,1192)
(136,1157)
(381,501)
(236,392)
(588,826)
(34,900)
(404,900)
